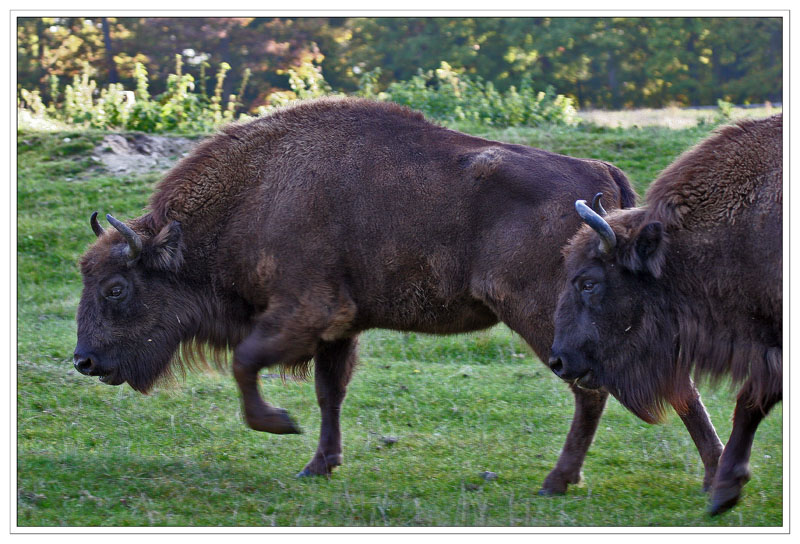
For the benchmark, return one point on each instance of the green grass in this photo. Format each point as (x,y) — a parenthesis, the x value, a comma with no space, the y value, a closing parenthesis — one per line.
(93,455)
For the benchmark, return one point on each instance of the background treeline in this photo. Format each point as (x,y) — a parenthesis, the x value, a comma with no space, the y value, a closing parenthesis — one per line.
(598,62)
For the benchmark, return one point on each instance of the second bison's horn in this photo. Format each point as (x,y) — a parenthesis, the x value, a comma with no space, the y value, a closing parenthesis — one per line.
(98,230)
(134,241)
(594,220)
(597,206)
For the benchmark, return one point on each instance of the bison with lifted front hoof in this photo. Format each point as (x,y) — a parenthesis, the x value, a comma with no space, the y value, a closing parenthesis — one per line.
(285,237)
(692,280)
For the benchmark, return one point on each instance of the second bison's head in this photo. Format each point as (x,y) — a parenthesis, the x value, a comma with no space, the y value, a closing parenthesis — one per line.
(612,325)
(129,313)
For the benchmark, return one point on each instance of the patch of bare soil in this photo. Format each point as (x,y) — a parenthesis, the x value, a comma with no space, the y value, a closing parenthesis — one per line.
(136,154)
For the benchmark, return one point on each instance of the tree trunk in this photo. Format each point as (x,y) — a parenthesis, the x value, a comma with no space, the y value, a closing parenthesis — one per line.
(40,28)
(112,67)
(613,85)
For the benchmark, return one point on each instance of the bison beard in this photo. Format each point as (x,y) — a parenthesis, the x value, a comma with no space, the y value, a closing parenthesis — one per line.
(283,238)
(649,393)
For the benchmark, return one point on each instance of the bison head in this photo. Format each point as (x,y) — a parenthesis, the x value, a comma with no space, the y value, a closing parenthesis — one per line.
(128,316)
(612,328)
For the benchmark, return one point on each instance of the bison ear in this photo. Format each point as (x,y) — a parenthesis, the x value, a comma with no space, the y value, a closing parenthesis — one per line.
(647,252)
(165,250)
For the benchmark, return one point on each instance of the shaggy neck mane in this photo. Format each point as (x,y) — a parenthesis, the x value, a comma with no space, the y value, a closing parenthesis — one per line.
(198,192)
(199,189)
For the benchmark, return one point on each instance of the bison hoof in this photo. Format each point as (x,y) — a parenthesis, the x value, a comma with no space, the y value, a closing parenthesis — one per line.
(726,491)
(550,488)
(723,500)
(275,421)
(550,492)
(306,473)
(320,466)
(556,483)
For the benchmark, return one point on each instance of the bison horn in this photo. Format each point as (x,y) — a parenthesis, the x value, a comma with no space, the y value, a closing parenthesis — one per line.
(98,230)
(597,206)
(594,220)
(134,241)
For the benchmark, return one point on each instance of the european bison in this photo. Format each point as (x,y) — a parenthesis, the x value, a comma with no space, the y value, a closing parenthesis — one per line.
(285,237)
(692,280)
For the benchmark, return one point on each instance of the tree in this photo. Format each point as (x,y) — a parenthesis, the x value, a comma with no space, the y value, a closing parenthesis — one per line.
(600,62)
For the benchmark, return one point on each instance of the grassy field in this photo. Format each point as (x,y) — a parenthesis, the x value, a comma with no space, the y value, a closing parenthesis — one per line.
(423,418)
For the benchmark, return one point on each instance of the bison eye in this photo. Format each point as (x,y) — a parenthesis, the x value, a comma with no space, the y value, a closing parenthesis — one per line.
(115,292)
(590,292)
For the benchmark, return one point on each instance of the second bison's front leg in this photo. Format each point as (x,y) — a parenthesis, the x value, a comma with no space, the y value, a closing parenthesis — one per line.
(589,406)
(734,465)
(703,434)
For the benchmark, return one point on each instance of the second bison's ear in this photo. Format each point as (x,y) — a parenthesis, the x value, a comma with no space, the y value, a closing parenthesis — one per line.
(165,250)
(647,251)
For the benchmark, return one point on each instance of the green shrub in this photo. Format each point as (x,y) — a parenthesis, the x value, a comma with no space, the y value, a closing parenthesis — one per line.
(447,95)
(724,111)
(443,95)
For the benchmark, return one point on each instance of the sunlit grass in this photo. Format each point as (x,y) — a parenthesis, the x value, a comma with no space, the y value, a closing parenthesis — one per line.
(675,118)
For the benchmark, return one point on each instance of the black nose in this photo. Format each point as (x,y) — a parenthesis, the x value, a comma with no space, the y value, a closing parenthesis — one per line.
(84,365)
(556,365)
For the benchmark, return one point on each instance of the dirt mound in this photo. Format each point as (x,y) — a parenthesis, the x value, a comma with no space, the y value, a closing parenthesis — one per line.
(141,153)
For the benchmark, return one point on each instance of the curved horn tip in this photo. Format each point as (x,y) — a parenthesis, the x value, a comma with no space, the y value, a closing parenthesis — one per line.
(597,206)
(133,239)
(608,240)
(96,228)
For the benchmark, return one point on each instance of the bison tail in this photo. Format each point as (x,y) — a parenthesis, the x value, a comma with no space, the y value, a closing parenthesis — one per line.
(627,195)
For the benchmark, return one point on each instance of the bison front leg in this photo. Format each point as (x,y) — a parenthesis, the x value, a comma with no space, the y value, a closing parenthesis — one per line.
(589,406)
(333,367)
(703,434)
(734,465)
(256,352)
